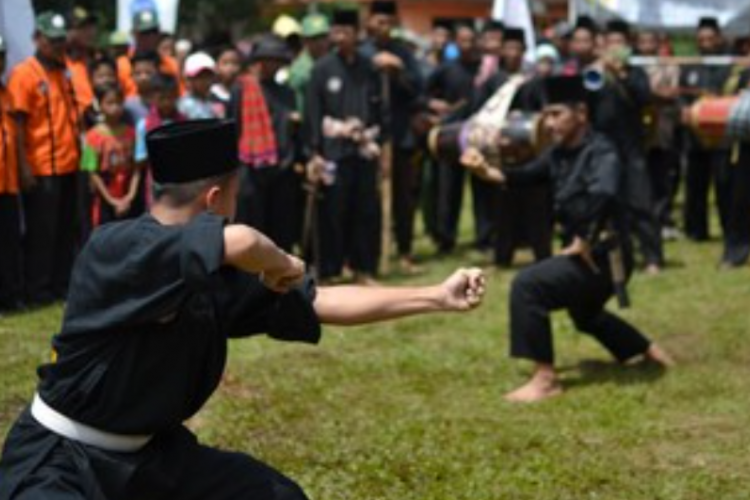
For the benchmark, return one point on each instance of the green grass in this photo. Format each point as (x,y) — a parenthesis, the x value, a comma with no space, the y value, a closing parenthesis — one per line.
(413,410)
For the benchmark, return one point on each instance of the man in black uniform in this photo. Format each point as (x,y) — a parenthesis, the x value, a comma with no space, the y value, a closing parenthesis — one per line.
(584,170)
(144,339)
(617,112)
(393,59)
(343,103)
(704,164)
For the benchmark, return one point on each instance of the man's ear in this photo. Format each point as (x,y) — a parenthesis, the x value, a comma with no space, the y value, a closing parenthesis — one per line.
(212,196)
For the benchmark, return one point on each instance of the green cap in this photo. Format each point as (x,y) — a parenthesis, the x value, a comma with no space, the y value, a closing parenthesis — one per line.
(145,20)
(2,45)
(315,25)
(118,38)
(51,25)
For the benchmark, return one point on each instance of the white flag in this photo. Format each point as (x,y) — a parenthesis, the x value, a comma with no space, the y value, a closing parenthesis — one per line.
(17,29)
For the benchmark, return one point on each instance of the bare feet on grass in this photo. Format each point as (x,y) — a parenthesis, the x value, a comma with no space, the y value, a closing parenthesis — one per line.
(659,356)
(542,385)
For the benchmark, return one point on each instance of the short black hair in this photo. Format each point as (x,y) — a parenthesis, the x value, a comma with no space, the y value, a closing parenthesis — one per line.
(102,61)
(179,195)
(101,91)
(146,56)
(165,83)
(220,50)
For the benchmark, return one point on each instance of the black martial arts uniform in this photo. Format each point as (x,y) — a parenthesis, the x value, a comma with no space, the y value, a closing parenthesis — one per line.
(617,112)
(349,210)
(704,165)
(521,216)
(585,181)
(454,82)
(404,91)
(269,198)
(143,345)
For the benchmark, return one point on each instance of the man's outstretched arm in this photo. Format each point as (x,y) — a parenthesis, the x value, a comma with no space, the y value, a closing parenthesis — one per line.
(354,305)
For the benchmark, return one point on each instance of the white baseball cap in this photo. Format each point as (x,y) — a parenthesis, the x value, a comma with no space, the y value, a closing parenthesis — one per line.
(198,63)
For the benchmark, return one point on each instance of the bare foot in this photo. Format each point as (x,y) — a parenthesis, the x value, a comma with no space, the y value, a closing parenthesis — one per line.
(363,279)
(653,270)
(659,356)
(408,266)
(539,388)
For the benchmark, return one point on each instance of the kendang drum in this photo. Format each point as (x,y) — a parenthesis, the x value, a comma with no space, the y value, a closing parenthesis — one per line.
(709,117)
(518,139)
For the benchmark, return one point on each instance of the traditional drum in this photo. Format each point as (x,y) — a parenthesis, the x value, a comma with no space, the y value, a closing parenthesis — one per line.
(709,118)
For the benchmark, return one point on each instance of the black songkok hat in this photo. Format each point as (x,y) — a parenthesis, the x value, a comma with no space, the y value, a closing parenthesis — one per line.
(183,152)
(493,25)
(564,90)
(387,7)
(443,22)
(514,35)
(587,23)
(345,17)
(709,22)
(618,26)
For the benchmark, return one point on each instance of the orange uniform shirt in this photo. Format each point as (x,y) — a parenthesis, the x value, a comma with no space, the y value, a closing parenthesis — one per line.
(168,66)
(8,151)
(48,98)
(79,74)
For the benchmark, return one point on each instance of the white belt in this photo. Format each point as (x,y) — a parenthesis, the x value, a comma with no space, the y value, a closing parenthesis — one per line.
(65,427)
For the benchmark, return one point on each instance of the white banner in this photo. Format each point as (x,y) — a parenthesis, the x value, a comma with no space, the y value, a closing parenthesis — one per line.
(733,15)
(17,29)
(516,13)
(167,10)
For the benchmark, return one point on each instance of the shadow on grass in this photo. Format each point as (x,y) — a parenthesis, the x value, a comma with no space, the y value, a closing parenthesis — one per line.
(597,372)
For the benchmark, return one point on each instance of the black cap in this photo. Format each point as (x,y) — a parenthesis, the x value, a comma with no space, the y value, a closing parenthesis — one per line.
(514,35)
(183,152)
(387,7)
(270,47)
(443,22)
(493,25)
(564,90)
(587,23)
(618,26)
(710,23)
(345,17)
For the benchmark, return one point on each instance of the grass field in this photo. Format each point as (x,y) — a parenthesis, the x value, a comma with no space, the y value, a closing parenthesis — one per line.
(413,410)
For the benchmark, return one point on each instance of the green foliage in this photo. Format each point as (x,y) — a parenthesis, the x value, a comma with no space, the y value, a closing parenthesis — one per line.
(413,410)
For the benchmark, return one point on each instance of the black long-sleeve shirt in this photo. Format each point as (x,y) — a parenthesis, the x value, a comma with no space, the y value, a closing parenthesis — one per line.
(698,81)
(453,82)
(144,338)
(405,89)
(585,182)
(341,89)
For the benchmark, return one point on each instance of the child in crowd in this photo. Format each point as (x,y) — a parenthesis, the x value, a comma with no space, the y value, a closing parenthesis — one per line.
(200,71)
(145,66)
(228,66)
(108,158)
(102,73)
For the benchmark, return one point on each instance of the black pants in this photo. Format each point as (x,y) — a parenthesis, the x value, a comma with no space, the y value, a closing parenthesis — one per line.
(567,283)
(11,279)
(49,243)
(737,230)
(451,179)
(268,201)
(38,465)
(524,217)
(348,228)
(406,176)
(704,168)
(664,169)
(641,213)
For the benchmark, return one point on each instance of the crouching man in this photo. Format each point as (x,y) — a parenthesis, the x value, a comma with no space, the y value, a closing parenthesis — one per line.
(143,342)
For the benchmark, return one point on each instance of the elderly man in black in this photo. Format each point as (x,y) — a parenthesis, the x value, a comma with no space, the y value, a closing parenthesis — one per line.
(143,343)
(584,171)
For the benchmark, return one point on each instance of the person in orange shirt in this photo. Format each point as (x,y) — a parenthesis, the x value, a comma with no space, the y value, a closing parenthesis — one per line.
(10,216)
(49,132)
(147,35)
(81,44)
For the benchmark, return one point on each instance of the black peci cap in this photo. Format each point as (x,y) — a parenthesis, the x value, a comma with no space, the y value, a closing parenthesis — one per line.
(514,35)
(493,25)
(387,7)
(710,23)
(564,90)
(183,152)
(618,26)
(345,17)
(587,23)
